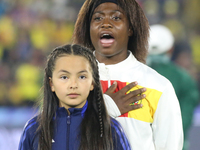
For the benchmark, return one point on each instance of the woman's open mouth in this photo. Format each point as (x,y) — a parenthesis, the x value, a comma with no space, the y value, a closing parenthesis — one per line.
(107,40)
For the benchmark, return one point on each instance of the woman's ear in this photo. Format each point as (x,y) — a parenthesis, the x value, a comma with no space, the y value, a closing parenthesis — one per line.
(130,32)
(51,84)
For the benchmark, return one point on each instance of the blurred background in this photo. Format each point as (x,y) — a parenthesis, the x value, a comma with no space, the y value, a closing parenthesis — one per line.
(31,29)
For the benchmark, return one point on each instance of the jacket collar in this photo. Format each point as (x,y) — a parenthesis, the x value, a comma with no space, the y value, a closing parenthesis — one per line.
(123,65)
(61,111)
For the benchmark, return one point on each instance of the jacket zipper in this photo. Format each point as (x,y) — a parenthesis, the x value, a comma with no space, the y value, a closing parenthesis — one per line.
(108,76)
(68,131)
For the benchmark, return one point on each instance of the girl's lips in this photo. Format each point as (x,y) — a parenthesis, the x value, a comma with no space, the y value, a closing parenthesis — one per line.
(73,95)
(107,42)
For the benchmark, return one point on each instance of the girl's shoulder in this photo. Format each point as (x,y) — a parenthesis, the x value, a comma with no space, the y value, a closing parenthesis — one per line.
(114,123)
(29,138)
(120,139)
(31,121)
(31,125)
(117,128)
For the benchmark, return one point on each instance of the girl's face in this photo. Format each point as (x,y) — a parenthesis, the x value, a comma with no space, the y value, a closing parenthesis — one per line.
(109,33)
(72,81)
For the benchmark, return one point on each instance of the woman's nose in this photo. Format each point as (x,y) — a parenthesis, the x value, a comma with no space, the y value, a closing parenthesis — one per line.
(106,23)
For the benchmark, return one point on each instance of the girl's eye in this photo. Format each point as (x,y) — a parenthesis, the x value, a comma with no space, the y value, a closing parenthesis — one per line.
(82,77)
(64,77)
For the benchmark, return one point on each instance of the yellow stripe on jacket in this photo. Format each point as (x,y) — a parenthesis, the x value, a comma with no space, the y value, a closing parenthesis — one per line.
(149,103)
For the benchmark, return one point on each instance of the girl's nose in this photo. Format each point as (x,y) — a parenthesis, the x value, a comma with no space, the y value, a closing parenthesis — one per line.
(73,84)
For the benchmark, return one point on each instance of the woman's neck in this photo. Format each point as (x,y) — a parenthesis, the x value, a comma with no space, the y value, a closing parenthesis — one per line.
(110,60)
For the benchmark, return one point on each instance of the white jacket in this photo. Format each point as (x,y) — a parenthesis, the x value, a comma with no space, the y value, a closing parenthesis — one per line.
(158,124)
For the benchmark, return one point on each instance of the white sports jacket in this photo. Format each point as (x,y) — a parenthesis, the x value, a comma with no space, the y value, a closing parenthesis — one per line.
(158,124)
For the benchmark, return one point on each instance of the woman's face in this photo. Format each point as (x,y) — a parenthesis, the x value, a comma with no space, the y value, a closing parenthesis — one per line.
(109,33)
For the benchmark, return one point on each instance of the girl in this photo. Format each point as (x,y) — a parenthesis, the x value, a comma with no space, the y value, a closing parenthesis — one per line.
(117,31)
(73,112)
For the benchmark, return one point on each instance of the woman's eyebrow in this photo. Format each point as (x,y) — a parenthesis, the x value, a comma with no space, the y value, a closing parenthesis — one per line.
(101,12)
(98,12)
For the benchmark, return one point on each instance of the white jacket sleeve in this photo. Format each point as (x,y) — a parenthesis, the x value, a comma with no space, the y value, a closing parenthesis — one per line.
(167,125)
(112,108)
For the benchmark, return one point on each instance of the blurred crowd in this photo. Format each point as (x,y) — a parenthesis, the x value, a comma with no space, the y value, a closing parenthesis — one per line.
(30,29)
